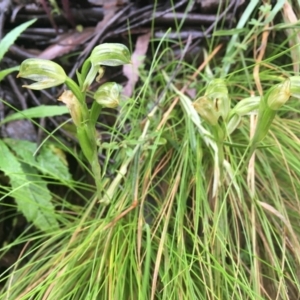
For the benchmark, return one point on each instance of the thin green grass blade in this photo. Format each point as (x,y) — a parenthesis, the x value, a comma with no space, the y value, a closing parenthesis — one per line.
(10,38)
(41,111)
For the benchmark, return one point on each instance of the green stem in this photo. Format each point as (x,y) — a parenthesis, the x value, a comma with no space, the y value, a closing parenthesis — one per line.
(85,68)
(95,112)
(86,134)
(71,84)
(87,138)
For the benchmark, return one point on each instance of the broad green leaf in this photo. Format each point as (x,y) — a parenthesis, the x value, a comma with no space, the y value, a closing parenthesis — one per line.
(41,111)
(10,38)
(47,161)
(6,72)
(40,197)
(29,191)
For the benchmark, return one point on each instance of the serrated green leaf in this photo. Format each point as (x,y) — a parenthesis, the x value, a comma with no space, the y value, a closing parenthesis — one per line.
(52,164)
(29,191)
(10,38)
(40,197)
(47,162)
(41,111)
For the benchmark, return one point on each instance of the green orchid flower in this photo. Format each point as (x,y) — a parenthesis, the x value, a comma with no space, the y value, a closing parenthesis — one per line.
(46,73)
(108,94)
(206,109)
(106,55)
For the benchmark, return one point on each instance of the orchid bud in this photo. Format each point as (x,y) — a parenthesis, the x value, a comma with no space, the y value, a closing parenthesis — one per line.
(268,106)
(45,72)
(108,94)
(245,106)
(295,86)
(73,105)
(206,110)
(108,54)
(279,95)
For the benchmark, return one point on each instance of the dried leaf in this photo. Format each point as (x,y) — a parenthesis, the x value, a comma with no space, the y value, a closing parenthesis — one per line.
(138,56)
(66,43)
(290,17)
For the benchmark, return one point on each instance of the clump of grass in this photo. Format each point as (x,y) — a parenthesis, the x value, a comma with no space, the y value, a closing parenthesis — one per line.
(168,232)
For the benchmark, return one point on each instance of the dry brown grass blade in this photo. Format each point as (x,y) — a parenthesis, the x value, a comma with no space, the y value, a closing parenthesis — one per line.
(258,56)
(131,71)
(168,210)
(148,180)
(251,169)
(290,18)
